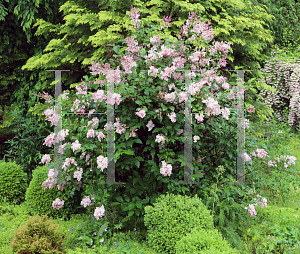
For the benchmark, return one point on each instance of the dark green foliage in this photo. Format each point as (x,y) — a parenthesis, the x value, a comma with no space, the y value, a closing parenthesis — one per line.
(172,217)
(39,201)
(285,27)
(18,43)
(13,182)
(26,147)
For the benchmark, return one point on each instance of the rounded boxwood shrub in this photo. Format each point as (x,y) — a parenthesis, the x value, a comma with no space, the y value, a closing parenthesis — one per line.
(39,200)
(13,182)
(172,217)
(204,241)
(38,235)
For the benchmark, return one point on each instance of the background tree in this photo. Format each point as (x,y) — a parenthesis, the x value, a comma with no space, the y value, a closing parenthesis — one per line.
(285,27)
(18,44)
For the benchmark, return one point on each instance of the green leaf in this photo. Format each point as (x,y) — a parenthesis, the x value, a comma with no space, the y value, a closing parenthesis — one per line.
(123,49)
(120,199)
(124,207)
(143,52)
(137,212)
(137,163)
(139,204)
(137,140)
(127,135)
(130,213)
(131,206)
(116,49)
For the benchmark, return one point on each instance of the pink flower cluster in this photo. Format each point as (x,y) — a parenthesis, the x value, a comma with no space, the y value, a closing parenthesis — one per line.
(99,212)
(166,169)
(251,207)
(251,109)
(261,153)
(87,201)
(46,97)
(134,15)
(57,204)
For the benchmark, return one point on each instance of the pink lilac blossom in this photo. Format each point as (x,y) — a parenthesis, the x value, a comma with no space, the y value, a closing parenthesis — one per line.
(160,139)
(76,145)
(251,210)
(166,169)
(170,97)
(246,123)
(172,117)
(182,97)
(61,148)
(90,133)
(159,113)
(141,113)
(128,63)
(166,21)
(263,202)
(57,204)
(100,136)
(261,153)
(86,201)
(64,95)
(52,173)
(200,117)
(81,156)
(49,183)
(68,162)
(155,39)
(132,45)
(102,162)
(78,174)
(180,131)
(46,96)
(99,212)
(50,140)
(134,15)
(81,89)
(166,73)
(46,158)
(196,138)
(94,122)
(251,109)
(171,86)
(87,157)
(61,135)
(132,134)
(150,125)
(246,157)
(153,70)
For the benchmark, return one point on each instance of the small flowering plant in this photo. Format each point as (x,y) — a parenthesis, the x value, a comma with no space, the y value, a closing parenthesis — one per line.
(92,232)
(257,200)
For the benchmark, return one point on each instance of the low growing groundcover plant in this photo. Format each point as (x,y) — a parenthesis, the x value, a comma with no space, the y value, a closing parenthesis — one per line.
(273,230)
